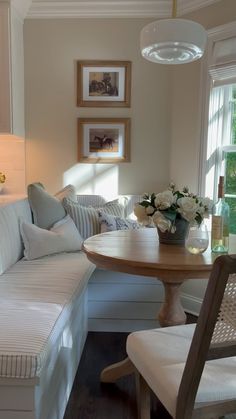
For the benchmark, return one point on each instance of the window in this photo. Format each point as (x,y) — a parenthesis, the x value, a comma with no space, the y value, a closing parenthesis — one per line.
(221,146)
(218,153)
(230,165)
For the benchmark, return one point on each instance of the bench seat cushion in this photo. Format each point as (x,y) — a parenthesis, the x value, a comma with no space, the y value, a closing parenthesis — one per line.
(11,249)
(36,300)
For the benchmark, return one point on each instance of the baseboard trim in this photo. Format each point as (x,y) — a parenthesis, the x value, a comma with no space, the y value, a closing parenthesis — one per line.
(120,325)
(191,304)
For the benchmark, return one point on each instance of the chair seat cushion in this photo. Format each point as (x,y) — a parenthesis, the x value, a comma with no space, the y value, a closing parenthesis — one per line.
(162,366)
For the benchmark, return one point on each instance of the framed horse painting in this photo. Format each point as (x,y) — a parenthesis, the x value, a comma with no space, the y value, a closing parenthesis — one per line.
(103,140)
(103,83)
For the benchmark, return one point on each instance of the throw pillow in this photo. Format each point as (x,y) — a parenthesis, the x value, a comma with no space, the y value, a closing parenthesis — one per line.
(110,223)
(86,218)
(62,237)
(67,192)
(46,209)
(91,200)
(114,207)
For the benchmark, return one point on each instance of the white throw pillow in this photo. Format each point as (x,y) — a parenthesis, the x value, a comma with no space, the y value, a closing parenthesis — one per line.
(86,218)
(110,223)
(62,237)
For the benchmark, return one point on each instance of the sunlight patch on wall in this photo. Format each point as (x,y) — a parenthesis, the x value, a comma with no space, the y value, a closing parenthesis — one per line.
(91,179)
(12,163)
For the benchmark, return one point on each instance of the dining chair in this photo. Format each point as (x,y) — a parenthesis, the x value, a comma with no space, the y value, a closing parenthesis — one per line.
(192,368)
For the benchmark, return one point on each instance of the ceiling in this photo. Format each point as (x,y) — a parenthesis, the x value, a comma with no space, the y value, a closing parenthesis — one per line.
(106,8)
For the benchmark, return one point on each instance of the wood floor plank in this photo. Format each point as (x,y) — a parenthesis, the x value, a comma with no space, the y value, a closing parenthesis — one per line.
(91,399)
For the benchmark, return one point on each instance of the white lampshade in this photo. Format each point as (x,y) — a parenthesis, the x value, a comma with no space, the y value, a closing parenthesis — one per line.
(173,41)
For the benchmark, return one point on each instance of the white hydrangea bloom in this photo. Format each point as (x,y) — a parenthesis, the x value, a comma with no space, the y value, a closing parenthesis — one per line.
(164,200)
(207,203)
(188,208)
(149,210)
(161,222)
(140,212)
(162,209)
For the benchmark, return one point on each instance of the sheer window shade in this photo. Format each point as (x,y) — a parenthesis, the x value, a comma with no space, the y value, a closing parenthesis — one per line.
(222,66)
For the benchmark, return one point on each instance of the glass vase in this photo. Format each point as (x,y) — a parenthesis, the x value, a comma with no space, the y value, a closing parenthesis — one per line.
(197,239)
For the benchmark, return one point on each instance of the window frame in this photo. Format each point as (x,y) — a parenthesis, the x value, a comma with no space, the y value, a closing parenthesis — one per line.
(215,35)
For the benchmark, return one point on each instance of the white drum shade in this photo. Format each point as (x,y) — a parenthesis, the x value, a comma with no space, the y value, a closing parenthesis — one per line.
(173,41)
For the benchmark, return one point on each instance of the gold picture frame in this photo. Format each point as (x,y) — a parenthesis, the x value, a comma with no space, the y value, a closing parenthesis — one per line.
(103,140)
(103,83)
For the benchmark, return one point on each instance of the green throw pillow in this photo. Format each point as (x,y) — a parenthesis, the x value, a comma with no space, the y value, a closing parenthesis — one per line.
(46,209)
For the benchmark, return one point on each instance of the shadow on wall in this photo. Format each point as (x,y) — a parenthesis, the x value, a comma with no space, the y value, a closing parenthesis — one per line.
(99,179)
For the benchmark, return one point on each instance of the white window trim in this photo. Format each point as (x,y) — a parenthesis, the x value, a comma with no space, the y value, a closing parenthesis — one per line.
(219,33)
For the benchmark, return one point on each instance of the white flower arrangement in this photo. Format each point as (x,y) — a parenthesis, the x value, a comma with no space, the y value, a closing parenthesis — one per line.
(164,208)
(2,177)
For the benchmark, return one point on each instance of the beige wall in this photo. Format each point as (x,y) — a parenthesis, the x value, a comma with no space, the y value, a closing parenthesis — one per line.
(165,111)
(51,50)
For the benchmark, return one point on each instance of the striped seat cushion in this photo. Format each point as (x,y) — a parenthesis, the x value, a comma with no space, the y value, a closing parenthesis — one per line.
(11,249)
(37,298)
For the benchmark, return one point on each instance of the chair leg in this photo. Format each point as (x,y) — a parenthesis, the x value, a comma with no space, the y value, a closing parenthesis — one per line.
(143,397)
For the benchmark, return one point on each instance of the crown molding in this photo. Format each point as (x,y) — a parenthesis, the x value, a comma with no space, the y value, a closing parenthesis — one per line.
(111,8)
(99,9)
(21,7)
(222,31)
(188,6)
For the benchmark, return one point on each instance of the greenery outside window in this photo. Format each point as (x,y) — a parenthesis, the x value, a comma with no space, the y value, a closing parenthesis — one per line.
(230,188)
(230,164)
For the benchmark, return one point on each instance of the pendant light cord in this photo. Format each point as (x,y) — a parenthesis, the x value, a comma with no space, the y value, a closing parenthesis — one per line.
(174,9)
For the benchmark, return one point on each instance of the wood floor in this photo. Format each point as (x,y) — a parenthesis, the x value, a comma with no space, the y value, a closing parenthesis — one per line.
(92,400)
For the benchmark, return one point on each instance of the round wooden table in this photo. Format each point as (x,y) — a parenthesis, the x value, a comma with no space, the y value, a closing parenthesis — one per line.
(139,252)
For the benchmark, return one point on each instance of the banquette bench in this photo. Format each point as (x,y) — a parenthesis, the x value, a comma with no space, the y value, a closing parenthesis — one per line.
(43,323)
(47,308)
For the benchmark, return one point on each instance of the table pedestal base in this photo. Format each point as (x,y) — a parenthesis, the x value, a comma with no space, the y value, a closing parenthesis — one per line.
(171,312)
(115,371)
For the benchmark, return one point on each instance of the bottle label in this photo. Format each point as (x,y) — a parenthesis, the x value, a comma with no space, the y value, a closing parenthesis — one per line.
(217,227)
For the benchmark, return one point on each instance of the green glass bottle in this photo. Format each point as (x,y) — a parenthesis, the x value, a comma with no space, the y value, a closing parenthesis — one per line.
(220,222)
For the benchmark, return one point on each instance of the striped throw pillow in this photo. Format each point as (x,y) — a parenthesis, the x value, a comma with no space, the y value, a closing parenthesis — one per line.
(67,192)
(86,218)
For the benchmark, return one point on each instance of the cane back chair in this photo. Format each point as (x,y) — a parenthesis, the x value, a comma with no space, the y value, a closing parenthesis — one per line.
(192,368)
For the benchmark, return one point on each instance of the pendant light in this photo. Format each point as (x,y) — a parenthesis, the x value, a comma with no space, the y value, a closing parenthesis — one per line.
(173,41)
